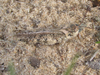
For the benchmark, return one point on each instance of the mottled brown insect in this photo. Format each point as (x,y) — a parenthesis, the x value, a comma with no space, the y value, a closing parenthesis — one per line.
(47,37)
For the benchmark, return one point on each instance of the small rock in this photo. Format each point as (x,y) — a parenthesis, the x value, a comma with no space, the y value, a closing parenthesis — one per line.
(94,64)
(34,62)
(1,67)
(64,1)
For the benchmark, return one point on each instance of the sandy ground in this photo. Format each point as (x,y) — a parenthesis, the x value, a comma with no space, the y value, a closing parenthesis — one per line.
(54,57)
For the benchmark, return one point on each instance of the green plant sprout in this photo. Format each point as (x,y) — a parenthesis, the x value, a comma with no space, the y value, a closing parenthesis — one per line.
(11,69)
(73,62)
(98,42)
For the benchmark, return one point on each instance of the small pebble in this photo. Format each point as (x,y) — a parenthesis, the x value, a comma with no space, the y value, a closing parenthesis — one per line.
(94,64)
(64,1)
(1,67)
(34,62)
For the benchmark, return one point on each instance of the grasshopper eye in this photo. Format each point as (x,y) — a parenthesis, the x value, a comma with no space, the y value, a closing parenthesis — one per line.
(69,34)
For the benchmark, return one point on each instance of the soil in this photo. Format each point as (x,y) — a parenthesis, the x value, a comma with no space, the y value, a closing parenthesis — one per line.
(50,51)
